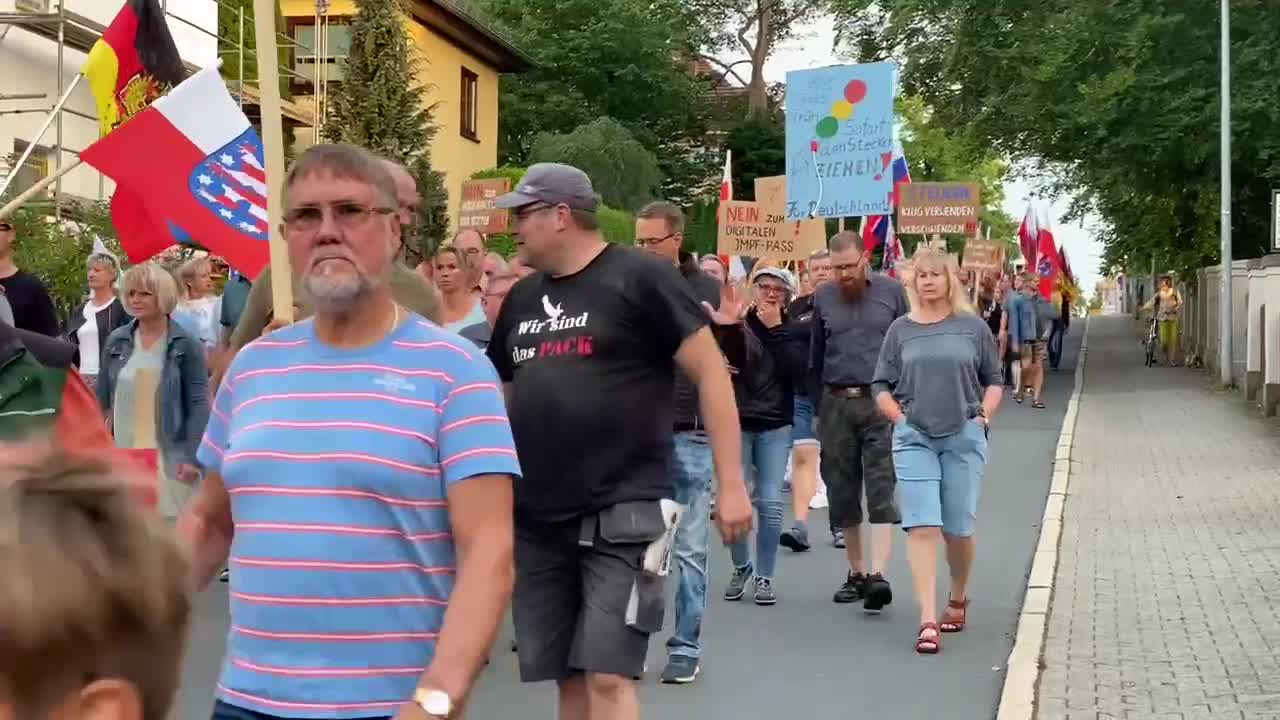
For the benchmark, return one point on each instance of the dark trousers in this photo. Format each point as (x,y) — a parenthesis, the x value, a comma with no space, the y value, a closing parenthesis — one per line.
(1055,343)
(857,458)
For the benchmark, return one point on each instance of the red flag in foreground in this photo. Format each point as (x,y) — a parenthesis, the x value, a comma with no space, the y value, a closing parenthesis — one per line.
(1047,267)
(193,160)
(1029,237)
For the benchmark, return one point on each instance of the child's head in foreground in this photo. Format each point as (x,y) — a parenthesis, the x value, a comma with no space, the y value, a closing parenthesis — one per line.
(94,602)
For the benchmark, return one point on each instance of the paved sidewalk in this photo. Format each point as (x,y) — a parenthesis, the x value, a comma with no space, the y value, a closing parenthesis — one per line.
(1168,582)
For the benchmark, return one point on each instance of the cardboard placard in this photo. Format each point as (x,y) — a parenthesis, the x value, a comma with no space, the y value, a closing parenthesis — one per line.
(759,228)
(983,255)
(939,208)
(477,211)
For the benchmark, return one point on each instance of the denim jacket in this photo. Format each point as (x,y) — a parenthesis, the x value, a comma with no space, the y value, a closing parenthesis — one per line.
(182,398)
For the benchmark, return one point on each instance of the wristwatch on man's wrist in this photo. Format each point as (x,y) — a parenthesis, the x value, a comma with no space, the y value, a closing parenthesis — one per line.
(435,703)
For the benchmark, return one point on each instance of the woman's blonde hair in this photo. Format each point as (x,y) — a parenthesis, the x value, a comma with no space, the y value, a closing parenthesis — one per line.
(187,273)
(932,259)
(153,278)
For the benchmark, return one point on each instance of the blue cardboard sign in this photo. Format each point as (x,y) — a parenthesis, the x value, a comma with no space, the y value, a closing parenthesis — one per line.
(840,141)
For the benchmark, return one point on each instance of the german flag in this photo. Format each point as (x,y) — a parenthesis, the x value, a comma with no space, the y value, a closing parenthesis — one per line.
(133,63)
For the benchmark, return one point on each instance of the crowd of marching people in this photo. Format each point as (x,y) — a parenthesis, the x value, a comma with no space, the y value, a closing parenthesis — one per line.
(425,448)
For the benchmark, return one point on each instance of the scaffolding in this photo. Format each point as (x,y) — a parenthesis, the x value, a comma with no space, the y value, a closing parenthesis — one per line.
(71,30)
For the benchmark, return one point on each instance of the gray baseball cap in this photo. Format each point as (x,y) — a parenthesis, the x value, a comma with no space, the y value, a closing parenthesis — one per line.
(554,184)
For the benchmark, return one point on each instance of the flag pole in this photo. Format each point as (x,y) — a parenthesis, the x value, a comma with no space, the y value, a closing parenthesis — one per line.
(264,16)
(32,191)
(31,146)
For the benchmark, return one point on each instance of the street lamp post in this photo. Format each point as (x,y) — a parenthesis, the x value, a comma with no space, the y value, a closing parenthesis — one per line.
(1225,300)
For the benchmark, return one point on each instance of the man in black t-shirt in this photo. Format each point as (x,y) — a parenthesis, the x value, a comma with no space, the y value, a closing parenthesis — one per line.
(588,348)
(27,296)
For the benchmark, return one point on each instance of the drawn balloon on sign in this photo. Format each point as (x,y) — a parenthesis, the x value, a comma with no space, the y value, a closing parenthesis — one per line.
(855,91)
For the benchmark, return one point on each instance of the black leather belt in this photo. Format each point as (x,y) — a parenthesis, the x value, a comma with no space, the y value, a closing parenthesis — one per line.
(849,391)
(686,427)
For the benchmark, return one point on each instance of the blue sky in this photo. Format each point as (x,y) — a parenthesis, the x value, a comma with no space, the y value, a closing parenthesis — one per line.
(812,47)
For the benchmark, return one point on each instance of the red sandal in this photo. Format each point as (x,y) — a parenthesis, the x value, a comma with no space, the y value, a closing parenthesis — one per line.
(929,646)
(955,615)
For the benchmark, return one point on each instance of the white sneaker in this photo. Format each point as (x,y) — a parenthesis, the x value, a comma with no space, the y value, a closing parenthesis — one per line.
(819,500)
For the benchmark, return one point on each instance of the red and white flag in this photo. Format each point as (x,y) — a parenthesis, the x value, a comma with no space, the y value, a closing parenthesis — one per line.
(1047,265)
(1029,237)
(193,160)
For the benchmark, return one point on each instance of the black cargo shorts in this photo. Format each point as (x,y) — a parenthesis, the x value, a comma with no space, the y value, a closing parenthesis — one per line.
(574,583)
(856,457)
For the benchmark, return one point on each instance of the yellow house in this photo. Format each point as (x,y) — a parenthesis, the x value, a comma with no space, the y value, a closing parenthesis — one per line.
(459,61)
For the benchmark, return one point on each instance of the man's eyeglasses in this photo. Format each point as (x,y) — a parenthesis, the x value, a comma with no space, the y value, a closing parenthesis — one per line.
(346,215)
(644,242)
(529,211)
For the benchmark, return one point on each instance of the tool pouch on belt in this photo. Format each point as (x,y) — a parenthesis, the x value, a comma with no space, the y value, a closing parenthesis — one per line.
(643,531)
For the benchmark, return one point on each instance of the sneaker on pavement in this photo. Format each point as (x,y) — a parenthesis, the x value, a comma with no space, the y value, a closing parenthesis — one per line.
(852,589)
(837,538)
(738,583)
(876,594)
(225,575)
(765,594)
(796,539)
(680,670)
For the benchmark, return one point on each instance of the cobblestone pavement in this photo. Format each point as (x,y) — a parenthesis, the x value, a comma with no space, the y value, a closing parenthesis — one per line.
(1168,583)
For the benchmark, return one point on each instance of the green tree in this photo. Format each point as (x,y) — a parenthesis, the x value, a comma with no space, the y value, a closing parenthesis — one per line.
(623,172)
(379,105)
(56,251)
(624,59)
(1116,101)
(759,150)
(936,154)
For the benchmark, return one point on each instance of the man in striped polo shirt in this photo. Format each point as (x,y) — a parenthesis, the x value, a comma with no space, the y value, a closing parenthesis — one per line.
(359,480)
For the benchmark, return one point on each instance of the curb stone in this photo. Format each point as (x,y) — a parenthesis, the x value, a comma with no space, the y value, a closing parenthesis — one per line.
(1018,697)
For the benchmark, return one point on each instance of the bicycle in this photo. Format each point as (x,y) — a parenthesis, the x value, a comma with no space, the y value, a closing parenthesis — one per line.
(1153,341)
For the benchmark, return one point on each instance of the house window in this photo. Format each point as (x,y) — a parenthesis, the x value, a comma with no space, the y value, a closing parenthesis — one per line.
(34,169)
(309,56)
(469,103)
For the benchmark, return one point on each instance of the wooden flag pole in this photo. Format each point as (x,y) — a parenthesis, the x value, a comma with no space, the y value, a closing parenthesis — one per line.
(264,21)
(32,191)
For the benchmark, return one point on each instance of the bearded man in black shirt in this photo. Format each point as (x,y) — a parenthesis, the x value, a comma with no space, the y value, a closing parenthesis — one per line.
(588,349)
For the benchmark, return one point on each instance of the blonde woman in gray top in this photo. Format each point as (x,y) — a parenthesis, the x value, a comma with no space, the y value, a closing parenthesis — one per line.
(938,380)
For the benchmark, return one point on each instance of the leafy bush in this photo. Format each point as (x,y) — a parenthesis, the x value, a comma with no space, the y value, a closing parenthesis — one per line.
(56,251)
(624,173)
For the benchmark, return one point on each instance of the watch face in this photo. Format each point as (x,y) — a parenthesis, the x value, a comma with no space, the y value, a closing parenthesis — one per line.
(437,703)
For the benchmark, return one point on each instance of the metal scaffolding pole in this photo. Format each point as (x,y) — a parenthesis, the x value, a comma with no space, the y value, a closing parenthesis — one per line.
(57,151)
(1225,301)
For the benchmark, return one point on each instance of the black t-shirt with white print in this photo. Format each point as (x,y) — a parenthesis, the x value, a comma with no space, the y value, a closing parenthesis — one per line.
(590,359)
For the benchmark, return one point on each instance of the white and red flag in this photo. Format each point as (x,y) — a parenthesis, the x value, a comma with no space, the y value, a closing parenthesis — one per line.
(194,161)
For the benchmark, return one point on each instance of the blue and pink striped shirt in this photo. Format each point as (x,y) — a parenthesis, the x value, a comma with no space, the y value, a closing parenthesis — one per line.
(337,463)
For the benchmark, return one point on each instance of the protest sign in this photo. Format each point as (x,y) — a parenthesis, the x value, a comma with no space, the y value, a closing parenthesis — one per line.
(753,230)
(478,212)
(983,255)
(839,141)
(810,235)
(938,208)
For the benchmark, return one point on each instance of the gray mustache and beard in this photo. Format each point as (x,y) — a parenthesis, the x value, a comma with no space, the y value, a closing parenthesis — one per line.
(339,292)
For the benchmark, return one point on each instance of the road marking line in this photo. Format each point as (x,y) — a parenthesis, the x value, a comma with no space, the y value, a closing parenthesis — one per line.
(1022,676)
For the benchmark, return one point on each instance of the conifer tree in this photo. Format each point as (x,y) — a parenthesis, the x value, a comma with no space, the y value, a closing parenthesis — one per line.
(379,106)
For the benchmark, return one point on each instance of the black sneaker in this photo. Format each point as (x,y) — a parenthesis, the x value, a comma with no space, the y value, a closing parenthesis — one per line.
(795,539)
(876,594)
(224,576)
(852,590)
(680,670)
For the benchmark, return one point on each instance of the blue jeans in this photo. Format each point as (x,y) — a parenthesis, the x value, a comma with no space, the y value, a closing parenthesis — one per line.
(764,462)
(691,468)
(940,479)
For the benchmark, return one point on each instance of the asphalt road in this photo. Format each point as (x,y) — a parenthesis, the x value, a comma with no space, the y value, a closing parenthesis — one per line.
(807,657)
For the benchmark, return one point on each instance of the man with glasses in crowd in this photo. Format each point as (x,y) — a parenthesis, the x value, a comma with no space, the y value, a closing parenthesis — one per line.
(850,318)
(409,289)
(660,232)
(588,348)
(359,469)
(495,292)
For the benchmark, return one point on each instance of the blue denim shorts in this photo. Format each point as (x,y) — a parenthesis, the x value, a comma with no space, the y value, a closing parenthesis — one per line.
(940,479)
(802,422)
